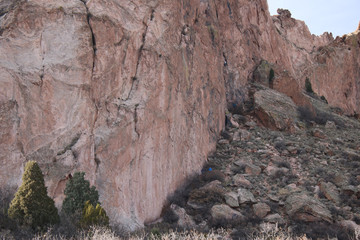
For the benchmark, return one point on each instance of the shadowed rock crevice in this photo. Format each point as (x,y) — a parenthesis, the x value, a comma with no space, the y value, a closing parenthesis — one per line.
(93,39)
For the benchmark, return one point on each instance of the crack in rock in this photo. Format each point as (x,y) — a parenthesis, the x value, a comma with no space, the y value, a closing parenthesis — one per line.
(135,78)
(93,39)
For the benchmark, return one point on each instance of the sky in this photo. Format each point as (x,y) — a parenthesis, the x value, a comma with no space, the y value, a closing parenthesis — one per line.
(336,16)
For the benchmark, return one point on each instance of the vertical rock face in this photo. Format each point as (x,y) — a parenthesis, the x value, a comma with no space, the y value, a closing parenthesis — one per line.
(134,92)
(45,74)
(336,73)
(159,93)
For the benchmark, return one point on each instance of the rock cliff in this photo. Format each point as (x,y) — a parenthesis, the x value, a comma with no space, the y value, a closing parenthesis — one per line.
(134,92)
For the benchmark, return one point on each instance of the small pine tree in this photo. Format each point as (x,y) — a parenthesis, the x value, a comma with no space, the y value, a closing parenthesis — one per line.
(31,205)
(308,86)
(77,192)
(93,216)
(271,78)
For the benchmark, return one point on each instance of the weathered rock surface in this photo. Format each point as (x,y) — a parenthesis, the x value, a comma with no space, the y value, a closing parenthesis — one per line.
(275,110)
(305,208)
(121,90)
(245,196)
(134,93)
(231,199)
(330,191)
(224,212)
(261,209)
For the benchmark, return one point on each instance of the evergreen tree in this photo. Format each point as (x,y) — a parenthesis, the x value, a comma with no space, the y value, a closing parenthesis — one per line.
(31,205)
(271,78)
(77,192)
(94,216)
(308,86)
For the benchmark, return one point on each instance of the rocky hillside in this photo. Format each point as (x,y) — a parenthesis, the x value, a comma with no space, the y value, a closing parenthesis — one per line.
(134,92)
(306,181)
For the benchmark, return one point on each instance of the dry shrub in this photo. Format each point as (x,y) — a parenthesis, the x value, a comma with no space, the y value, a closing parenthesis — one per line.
(319,117)
(213,175)
(207,196)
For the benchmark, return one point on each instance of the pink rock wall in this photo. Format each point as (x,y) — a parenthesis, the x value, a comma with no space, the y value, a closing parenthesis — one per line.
(130,92)
(335,73)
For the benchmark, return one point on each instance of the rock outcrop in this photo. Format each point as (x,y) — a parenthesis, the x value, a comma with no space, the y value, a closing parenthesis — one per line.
(331,65)
(134,92)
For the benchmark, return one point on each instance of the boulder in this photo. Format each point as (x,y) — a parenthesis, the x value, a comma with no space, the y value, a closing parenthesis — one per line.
(245,196)
(318,133)
(272,170)
(231,199)
(240,180)
(340,180)
(330,192)
(252,169)
(275,110)
(261,209)
(300,206)
(224,212)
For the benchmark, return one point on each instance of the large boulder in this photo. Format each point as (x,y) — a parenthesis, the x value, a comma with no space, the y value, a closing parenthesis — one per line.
(302,207)
(275,110)
(224,212)
(245,196)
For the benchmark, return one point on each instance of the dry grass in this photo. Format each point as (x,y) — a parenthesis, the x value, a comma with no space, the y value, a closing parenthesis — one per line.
(269,232)
(94,233)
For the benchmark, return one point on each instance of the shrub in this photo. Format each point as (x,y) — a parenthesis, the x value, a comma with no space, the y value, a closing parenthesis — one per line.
(207,197)
(308,86)
(306,115)
(5,199)
(283,164)
(169,216)
(77,192)
(280,145)
(31,205)
(94,216)
(213,175)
